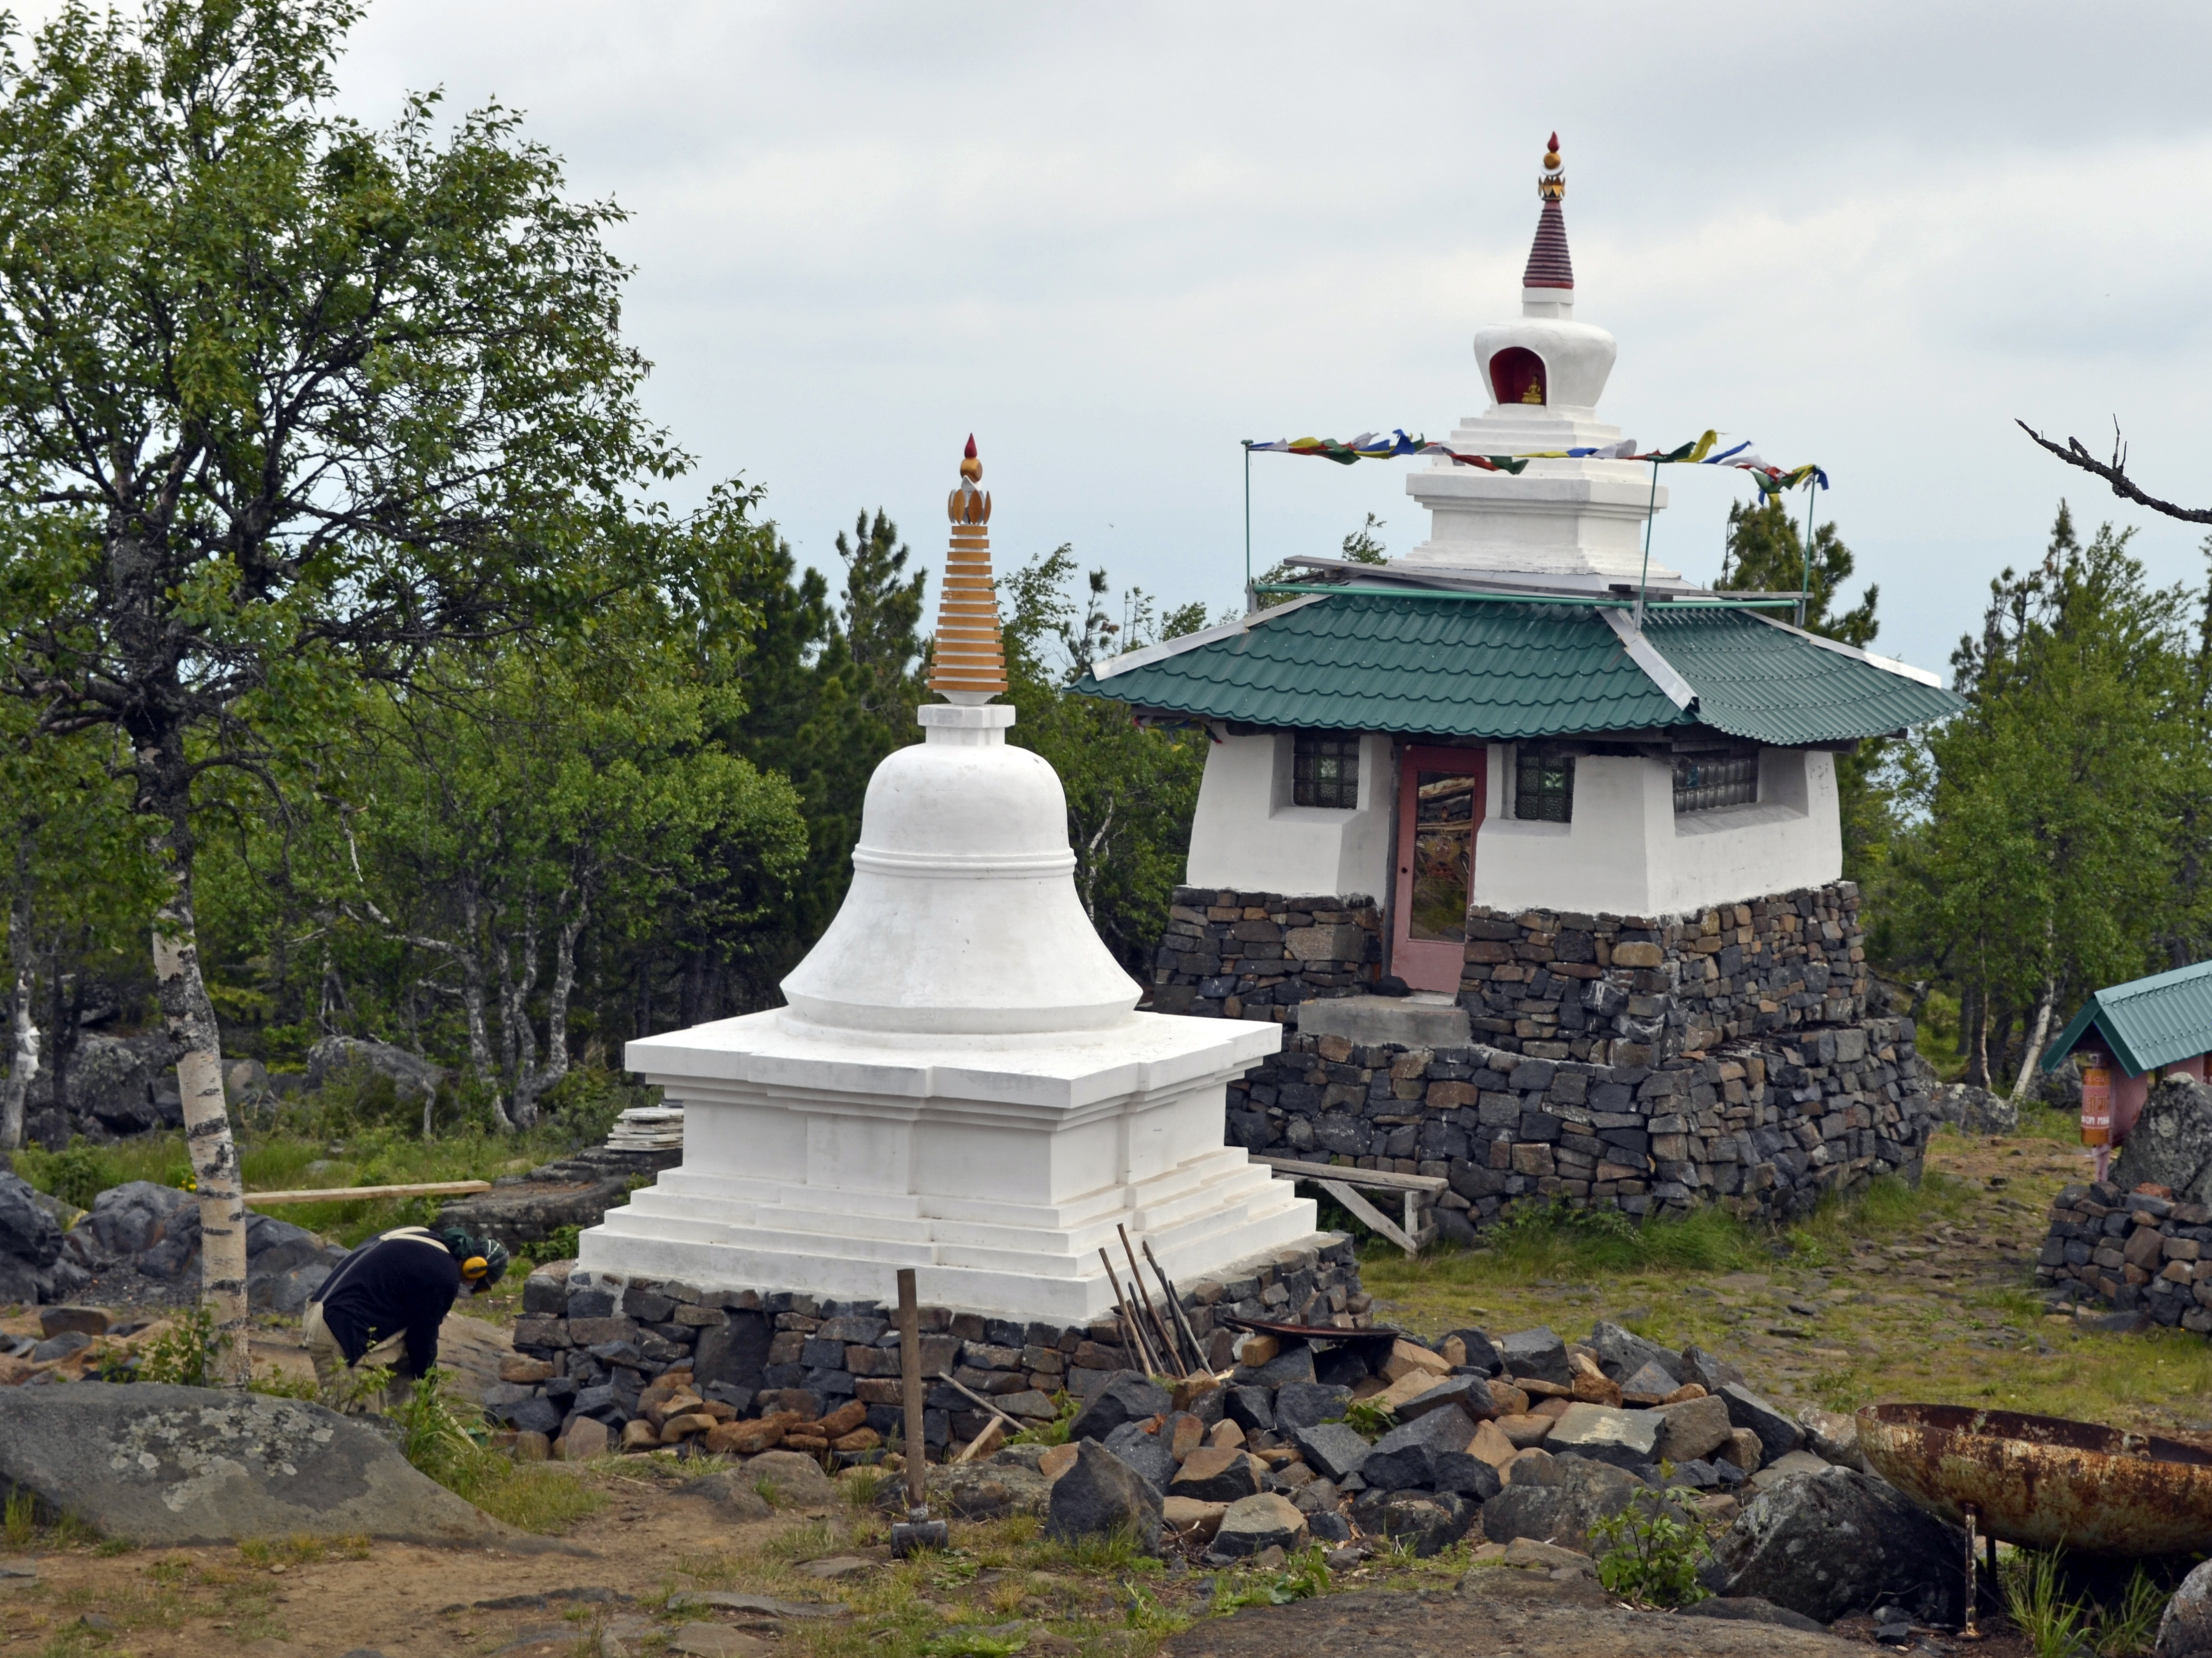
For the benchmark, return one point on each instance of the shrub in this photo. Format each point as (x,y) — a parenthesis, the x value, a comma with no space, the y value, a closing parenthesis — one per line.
(1651,1553)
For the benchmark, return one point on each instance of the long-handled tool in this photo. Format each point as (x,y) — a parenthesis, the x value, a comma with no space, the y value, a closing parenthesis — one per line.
(1126,1306)
(1174,1305)
(1137,1278)
(917,1531)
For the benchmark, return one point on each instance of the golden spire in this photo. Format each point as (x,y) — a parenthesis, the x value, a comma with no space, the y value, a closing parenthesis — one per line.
(1552,186)
(969,663)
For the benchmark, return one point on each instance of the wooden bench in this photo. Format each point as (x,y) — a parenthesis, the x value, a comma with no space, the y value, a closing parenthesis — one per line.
(1340,1182)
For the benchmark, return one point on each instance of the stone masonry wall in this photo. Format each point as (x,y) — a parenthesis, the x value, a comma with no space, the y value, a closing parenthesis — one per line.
(603,1341)
(1634,1062)
(2133,1251)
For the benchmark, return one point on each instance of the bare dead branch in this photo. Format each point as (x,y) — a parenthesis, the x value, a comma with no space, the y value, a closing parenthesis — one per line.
(2116,474)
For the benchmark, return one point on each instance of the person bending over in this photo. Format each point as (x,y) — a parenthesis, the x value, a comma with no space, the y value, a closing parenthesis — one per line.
(382,1306)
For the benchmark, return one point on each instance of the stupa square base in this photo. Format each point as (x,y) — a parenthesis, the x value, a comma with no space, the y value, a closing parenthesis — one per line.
(996,1167)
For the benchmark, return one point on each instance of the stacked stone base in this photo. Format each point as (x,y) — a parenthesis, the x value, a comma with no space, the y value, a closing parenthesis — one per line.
(1764,1131)
(1636,1062)
(2133,1252)
(759,1352)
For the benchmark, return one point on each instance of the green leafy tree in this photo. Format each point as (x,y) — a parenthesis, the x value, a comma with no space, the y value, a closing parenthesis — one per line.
(1765,553)
(283,403)
(2044,865)
(1131,789)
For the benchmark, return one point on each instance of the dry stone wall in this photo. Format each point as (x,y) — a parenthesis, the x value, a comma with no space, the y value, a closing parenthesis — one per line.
(2131,1250)
(602,1342)
(1641,1063)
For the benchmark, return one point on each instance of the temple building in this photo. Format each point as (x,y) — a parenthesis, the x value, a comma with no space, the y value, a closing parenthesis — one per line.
(1557,807)
(1483,724)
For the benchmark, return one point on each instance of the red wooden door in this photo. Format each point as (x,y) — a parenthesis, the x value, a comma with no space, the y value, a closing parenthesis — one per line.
(1441,794)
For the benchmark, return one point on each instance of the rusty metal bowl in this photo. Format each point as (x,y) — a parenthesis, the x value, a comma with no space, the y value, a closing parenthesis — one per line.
(2044,1482)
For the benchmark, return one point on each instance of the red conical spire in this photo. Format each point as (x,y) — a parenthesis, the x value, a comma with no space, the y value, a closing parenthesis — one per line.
(1548,264)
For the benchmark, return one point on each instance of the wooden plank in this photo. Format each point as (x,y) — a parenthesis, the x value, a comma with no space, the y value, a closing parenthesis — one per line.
(1367,1212)
(449,1188)
(1378,1179)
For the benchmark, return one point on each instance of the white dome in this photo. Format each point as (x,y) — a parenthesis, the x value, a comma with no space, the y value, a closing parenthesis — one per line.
(962,916)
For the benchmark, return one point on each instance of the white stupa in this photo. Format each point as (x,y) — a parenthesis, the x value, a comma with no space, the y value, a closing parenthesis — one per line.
(1544,374)
(960,1083)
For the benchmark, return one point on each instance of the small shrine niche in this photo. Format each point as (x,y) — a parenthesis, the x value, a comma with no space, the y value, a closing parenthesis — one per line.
(1517,376)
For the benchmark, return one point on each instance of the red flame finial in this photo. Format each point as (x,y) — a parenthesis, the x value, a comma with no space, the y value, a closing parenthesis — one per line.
(971,446)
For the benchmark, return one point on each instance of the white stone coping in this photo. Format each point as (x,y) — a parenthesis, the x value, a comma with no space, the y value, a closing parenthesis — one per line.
(1053,1072)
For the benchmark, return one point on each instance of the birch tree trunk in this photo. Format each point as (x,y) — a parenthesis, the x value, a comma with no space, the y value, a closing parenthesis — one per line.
(190,1018)
(23,1064)
(2035,1035)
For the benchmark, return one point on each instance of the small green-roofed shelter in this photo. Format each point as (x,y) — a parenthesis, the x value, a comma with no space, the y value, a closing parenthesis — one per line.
(2145,1024)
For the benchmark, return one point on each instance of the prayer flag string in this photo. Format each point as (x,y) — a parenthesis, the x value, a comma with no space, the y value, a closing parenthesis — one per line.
(1374,445)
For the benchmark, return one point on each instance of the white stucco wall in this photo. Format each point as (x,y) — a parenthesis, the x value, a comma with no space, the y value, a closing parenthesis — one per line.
(1627,853)
(1247,836)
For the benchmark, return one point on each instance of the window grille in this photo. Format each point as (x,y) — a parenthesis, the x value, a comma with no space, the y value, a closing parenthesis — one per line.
(1325,771)
(1544,786)
(1712,778)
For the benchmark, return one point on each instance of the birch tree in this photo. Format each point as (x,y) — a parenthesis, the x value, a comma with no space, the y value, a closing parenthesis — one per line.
(290,401)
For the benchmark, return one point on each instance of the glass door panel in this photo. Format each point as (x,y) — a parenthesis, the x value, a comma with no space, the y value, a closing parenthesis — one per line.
(1441,800)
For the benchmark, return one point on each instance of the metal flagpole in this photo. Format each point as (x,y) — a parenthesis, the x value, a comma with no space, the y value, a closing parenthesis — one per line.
(1805,587)
(1251,599)
(1650,510)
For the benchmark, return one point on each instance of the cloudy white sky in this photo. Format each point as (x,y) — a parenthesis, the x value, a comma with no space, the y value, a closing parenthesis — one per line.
(1113,241)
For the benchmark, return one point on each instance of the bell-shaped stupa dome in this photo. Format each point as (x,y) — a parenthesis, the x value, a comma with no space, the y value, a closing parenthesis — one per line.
(963,917)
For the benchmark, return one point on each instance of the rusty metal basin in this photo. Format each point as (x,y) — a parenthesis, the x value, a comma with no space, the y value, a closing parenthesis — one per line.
(2043,1481)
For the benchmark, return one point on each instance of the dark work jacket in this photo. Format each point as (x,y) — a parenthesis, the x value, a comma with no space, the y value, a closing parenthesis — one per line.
(402,1282)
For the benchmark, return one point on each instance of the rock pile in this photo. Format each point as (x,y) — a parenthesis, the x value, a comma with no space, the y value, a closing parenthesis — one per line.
(573,1191)
(1530,1439)
(604,1342)
(2139,1251)
(154,1231)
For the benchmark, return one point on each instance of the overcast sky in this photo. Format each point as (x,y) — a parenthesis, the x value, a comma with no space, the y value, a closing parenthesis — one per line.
(1112,241)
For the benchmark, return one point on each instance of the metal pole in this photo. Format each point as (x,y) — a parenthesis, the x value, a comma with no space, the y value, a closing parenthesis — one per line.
(1251,599)
(1650,510)
(1805,587)
(917,1446)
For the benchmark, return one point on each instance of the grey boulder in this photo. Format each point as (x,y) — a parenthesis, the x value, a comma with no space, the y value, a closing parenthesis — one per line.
(1100,1494)
(1709,1370)
(1626,1438)
(1126,1397)
(1254,1524)
(1292,1364)
(1334,1448)
(1836,1542)
(1778,1432)
(413,1077)
(1693,1429)
(1469,1394)
(1406,1456)
(176,1466)
(1622,1353)
(2185,1628)
(1559,1501)
(2171,1144)
(1427,1521)
(1538,1352)
(1302,1404)
(26,1231)
(1148,1453)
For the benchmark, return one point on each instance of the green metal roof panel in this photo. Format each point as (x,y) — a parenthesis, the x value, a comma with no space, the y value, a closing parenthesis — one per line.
(1418,665)
(1768,684)
(2149,1022)
(1440,664)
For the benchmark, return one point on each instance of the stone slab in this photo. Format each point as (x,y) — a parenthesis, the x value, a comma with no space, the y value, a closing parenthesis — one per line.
(1380,1021)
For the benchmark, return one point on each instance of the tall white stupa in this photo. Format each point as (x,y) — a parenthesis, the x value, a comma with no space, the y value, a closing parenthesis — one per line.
(960,1083)
(1544,374)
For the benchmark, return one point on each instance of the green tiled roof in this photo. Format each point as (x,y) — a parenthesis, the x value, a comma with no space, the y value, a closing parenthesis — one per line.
(2147,1023)
(1446,665)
